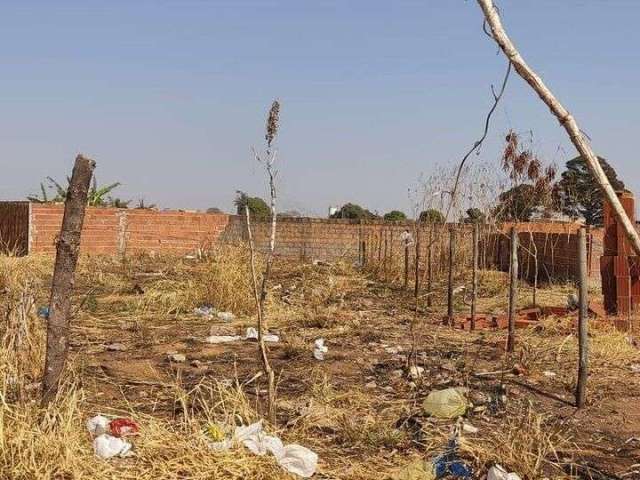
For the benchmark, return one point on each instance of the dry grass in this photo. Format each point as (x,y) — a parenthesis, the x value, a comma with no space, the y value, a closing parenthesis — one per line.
(325,406)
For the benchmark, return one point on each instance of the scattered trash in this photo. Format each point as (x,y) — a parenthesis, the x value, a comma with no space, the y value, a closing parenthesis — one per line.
(573,303)
(293,458)
(497,472)
(123,427)
(177,357)
(107,445)
(450,464)
(222,338)
(43,312)
(226,316)
(418,470)
(635,368)
(116,347)
(98,425)
(252,334)
(415,372)
(468,428)
(204,311)
(448,403)
(319,349)
(548,373)
(406,238)
(459,289)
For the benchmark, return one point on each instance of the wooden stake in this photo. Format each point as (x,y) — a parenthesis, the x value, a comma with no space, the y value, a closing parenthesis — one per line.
(416,285)
(583,321)
(430,266)
(67,251)
(474,279)
(406,264)
(452,250)
(513,289)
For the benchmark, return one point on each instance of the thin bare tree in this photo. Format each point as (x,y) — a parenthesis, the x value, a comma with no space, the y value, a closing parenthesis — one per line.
(260,291)
(67,251)
(565,118)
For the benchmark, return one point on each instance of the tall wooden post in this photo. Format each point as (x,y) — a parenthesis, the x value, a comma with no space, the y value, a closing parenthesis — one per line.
(67,251)
(406,263)
(583,321)
(452,250)
(474,279)
(513,289)
(416,285)
(430,266)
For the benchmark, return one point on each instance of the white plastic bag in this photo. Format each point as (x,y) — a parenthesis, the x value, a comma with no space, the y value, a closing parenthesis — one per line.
(107,446)
(497,472)
(293,458)
(319,349)
(98,425)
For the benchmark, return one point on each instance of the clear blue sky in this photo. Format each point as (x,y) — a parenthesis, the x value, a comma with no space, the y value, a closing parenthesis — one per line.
(169,97)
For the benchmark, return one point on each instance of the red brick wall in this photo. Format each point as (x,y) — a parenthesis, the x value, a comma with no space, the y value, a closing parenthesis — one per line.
(112,231)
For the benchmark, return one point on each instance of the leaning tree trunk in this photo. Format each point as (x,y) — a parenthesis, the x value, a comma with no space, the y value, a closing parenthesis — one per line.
(67,249)
(563,116)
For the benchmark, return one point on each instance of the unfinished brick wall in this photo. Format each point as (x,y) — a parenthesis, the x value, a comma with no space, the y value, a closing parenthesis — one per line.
(122,231)
(119,231)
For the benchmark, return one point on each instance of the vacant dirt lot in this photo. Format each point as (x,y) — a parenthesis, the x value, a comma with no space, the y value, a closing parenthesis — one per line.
(360,409)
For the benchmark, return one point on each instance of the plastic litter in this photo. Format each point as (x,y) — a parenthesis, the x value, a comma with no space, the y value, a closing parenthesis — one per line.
(107,446)
(448,403)
(406,238)
(43,312)
(497,472)
(468,428)
(226,316)
(635,368)
(415,372)
(450,464)
(177,357)
(98,425)
(319,349)
(123,427)
(293,458)
(222,338)
(204,311)
(252,334)
(548,373)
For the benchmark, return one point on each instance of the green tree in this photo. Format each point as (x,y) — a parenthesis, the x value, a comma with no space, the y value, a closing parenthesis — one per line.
(518,204)
(354,211)
(257,206)
(475,215)
(395,216)
(98,196)
(579,195)
(431,215)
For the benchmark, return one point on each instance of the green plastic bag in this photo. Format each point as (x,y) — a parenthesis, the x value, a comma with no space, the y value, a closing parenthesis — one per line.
(448,403)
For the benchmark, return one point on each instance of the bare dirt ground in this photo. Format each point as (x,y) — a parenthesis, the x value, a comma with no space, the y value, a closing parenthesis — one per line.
(359,409)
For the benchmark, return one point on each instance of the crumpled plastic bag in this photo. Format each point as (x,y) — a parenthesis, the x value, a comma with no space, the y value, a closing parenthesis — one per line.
(226,316)
(123,427)
(98,425)
(107,446)
(448,403)
(293,458)
(497,472)
(418,470)
(319,349)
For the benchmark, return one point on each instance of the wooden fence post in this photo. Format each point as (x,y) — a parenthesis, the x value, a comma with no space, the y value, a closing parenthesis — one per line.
(452,250)
(406,263)
(67,251)
(583,320)
(416,286)
(474,279)
(513,289)
(430,266)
